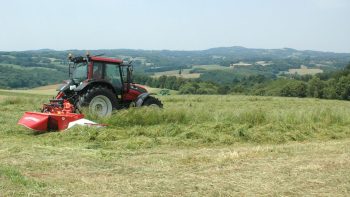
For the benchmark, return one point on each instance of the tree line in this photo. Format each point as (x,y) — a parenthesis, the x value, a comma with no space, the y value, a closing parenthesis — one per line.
(331,85)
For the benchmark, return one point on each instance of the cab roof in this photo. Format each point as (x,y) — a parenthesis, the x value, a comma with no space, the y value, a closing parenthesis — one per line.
(106,59)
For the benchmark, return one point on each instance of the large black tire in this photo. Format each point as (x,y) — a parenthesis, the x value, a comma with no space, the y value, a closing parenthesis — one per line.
(152,102)
(100,100)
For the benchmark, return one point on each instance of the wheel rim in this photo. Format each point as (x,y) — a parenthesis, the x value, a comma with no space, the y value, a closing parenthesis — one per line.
(101,106)
(154,105)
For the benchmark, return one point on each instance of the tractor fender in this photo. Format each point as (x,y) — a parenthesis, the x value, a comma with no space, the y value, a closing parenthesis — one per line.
(85,85)
(141,98)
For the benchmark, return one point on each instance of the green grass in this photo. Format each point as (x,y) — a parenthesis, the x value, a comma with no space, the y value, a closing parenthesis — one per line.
(11,177)
(195,146)
(231,119)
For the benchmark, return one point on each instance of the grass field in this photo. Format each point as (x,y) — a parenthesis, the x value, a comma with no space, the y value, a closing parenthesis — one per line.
(195,146)
(49,90)
(185,74)
(212,67)
(305,71)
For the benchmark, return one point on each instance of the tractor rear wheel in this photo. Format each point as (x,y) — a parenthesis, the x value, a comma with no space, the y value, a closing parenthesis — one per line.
(152,102)
(99,100)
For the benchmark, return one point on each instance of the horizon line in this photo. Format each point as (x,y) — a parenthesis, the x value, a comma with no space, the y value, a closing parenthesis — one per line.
(183,50)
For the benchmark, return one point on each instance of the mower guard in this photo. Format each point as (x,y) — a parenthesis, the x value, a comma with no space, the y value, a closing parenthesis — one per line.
(48,121)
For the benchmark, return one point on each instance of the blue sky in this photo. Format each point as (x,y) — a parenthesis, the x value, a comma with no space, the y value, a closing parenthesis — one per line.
(175,24)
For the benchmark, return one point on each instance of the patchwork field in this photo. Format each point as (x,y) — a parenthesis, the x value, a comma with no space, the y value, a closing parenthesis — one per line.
(212,67)
(305,71)
(195,146)
(185,73)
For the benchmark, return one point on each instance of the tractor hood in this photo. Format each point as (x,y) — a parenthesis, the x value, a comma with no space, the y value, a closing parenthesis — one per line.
(138,88)
(65,85)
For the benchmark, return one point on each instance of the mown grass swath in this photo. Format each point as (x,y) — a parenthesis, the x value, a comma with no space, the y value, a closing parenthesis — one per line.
(195,120)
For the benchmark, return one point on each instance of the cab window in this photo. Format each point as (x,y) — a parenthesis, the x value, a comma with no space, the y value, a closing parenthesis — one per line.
(113,75)
(98,70)
(80,72)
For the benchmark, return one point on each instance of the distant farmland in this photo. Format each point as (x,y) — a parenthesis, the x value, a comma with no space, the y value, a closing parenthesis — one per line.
(185,73)
(303,70)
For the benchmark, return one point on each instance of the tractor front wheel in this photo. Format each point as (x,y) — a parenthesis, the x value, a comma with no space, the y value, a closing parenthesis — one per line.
(152,102)
(99,100)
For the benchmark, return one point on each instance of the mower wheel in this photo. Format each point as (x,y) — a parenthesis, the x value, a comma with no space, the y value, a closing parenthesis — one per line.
(99,100)
(152,102)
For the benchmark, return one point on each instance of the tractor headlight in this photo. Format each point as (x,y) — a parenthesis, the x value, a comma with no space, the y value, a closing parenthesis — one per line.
(72,87)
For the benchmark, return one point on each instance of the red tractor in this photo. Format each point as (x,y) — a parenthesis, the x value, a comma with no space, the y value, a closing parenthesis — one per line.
(102,85)
(99,84)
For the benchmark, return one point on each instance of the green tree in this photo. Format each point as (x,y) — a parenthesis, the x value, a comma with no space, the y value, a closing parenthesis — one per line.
(329,91)
(188,88)
(343,88)
(315,87)
(294,89)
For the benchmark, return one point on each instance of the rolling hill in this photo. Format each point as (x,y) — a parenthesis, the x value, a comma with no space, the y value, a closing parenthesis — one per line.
(25,69)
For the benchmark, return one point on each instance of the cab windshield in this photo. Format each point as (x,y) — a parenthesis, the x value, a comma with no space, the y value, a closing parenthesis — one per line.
(80,72)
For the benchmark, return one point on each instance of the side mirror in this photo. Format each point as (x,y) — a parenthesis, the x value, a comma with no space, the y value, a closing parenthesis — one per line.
(129,74)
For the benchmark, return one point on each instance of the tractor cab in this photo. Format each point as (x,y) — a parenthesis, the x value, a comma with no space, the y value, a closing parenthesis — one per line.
(113,72)
(116,72)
